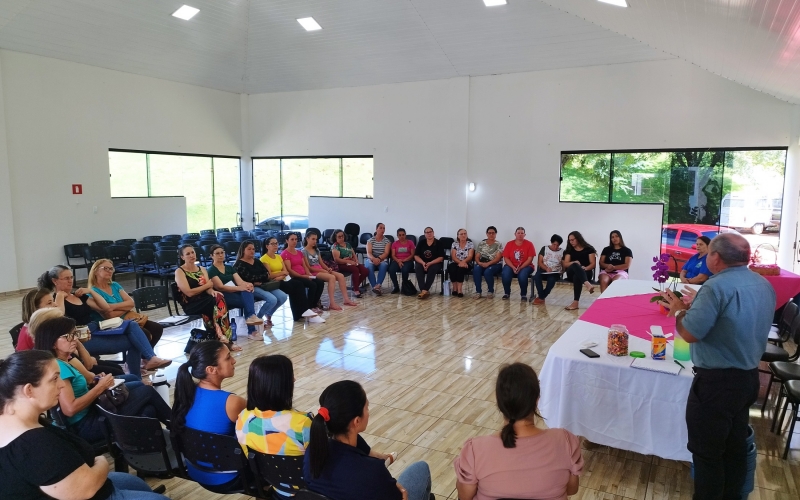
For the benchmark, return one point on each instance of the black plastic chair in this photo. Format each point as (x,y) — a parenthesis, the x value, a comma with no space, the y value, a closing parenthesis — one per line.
(221,230)
(144,265)
(127,242)
(119,255)
(780,333)
(58,419)
(141,443)
(283,473)
(149,298)
(101,243)
(792,390)
(152,239)
(783,370)
(144,245)
(202,255)
(171,237)
(231,249)
(327,235)
(412,238)
(75,251)
(14,332)
(190,236)
(352,228)
(206,231)
(214,454)
(236,228)
(93,253)
(166,263)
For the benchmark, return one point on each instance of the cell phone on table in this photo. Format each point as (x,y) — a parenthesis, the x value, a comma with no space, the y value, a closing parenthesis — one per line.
(590,353)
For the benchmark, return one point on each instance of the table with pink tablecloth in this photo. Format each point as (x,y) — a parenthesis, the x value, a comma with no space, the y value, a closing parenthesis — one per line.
(786,286)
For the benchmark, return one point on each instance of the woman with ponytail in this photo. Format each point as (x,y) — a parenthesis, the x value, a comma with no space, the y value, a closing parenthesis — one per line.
(523,460)
(340,464)
(204,406)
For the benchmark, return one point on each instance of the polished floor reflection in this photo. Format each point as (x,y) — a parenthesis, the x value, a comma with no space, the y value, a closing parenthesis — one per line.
(428,368)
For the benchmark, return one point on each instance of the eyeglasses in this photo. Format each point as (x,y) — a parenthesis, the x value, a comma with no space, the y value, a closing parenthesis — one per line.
(69,337)
(273,243)
(106,268)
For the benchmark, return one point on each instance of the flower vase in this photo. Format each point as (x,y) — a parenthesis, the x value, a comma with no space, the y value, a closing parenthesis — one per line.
(663,310)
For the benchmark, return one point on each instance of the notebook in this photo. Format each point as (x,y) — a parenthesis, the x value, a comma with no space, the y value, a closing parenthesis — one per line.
(652,365)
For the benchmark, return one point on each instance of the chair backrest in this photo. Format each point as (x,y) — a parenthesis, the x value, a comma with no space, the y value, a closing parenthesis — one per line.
(171,237)
(143,245)
(125,242)
(152,239)
(148,298)
(141,256)
(352,228)
(74,250)
(140,440)
(389,237)
(282,472)
(118,253)
(242,234)
(236,228)
(175,292)
(223,230)
(101,243)
(327,234)
(794,334)
(209,452)
(231,248)
(790,311)
(193,236)
(206,231)
(14,332)
(167,259)
(412,238)
(446,243)
(314,230)
(93,253)
(365,238)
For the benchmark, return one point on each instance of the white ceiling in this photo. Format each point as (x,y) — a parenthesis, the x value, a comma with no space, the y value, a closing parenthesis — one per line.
(255,46)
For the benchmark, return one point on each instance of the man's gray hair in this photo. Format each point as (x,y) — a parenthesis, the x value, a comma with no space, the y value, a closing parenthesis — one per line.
(732,248)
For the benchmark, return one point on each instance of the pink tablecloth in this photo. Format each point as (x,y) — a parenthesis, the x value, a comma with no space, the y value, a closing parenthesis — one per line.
(634,311)
(786,286)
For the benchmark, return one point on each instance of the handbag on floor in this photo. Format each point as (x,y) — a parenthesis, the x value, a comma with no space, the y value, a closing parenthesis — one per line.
(198,336)
(408,288)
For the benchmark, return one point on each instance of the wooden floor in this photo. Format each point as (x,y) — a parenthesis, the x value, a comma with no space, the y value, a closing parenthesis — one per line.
(429,369)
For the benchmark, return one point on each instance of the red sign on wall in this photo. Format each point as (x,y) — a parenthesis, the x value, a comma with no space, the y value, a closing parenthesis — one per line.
(77,189)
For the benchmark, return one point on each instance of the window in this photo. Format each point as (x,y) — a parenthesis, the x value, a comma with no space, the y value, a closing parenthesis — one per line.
(668,236)
(688,239)
(282,186)
(209,184)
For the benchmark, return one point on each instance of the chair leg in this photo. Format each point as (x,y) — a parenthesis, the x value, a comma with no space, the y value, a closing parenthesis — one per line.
(791,430)
(776,409)
(766,396)
(783,414)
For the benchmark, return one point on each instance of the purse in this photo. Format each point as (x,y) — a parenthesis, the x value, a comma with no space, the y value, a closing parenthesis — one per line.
(198,336)
(112,399)
(270,285)
(139,318)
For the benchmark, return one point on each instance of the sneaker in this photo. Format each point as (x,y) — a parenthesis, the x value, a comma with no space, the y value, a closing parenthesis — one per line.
(377,291)
(505,297)
(490,295)
(395,290)
(316,319)
(309,313)
(476,296)
(254,320)
(537,301)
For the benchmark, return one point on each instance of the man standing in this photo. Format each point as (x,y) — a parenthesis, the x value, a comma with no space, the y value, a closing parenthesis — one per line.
(727,325)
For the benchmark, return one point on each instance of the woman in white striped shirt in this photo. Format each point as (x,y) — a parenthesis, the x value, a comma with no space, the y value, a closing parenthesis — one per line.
(378,248)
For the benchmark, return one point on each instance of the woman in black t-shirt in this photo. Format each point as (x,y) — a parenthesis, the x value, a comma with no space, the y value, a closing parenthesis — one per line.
(579,261)
(39,461)
(615,260)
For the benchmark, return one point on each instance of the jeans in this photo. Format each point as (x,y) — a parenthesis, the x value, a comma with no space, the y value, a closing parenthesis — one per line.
(578,276)
(551,282)
(522,277)
(133,342)
(371,268)
(488,273)
(717,414)
(416,479)
(130,487)
(394,268)
(243,300)
(425,279)
(272,300)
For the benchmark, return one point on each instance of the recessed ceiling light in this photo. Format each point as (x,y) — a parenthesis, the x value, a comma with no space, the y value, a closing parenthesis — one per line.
(185,12)
(309,24)
(618,3)
(493,3)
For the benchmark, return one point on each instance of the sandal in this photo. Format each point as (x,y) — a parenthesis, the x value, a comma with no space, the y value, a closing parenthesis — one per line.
(570,308)
(476,296)
(234,348)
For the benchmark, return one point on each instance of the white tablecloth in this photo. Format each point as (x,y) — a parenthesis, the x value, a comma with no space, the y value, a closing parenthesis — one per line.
(607,401)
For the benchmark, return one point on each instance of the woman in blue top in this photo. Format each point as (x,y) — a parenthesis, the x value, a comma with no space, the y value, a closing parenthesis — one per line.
(342,466)
(204,406)
(695,270)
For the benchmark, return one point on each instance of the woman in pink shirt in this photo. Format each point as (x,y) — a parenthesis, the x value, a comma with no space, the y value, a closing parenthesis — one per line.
(402,258)
(522,461)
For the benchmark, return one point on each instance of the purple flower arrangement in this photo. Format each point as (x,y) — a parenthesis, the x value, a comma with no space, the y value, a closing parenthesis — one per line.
(661,275)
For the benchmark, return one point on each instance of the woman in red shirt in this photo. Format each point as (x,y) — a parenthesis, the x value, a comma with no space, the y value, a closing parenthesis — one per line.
(518,256)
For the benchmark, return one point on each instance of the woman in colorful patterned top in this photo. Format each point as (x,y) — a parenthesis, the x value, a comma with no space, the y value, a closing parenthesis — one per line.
(345,258)
(488,255)
(269,424)
(461,254)
(197,296)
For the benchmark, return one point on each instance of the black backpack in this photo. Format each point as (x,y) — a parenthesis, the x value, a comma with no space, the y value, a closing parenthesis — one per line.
(408,288)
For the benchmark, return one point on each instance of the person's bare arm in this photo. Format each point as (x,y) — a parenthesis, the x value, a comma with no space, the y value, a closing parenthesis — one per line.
(234,406)
(541,264)
(592,262)
(573,484)
(84,482)
(626,265)
(87,375)
(127,303)
(183,285)
(466,491)
(70,405)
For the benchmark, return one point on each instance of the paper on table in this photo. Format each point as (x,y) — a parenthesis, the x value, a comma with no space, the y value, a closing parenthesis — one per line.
(652,365)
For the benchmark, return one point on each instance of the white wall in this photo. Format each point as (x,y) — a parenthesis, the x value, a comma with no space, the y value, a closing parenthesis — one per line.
(8,278)
(517,124)
(61,118)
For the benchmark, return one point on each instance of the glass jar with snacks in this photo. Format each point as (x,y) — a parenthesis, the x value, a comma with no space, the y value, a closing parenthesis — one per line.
(618,340)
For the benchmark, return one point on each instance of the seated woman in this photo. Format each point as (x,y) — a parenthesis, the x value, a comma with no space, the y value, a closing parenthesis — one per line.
(39,460)
(197,296)
(343,466)
(488,255)
(204,406)
(29,329)
(615,260)
(117,302)
(295,289)
(317,268)
(38,298)
(429,256)
(695,270)
(377,258)
(269,424)
(402,259)
(237,292)
(345,258)
(78,396)
(81,304)
(461,254)
(295,265)
(579,261)
(518,257)
(253,271)
(551,268)
(523,460)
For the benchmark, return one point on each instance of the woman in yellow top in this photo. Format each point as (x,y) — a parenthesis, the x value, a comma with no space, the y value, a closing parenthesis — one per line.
(295,289)
(268,424)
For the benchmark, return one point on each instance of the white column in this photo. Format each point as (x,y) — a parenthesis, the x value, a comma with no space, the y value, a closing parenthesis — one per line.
(8,278)
(788,252)
(246,172)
